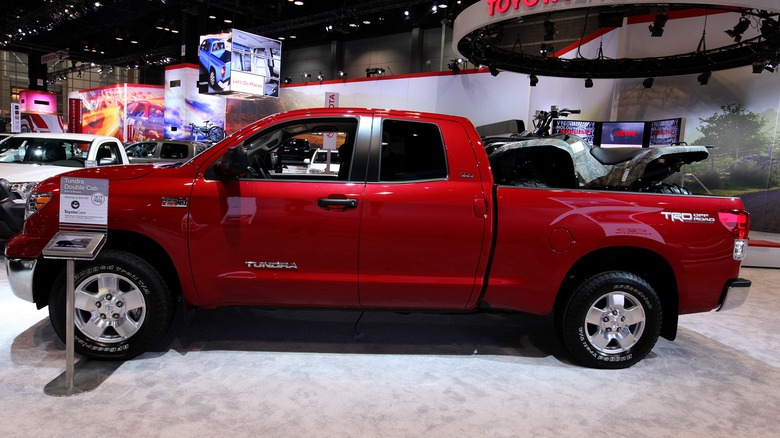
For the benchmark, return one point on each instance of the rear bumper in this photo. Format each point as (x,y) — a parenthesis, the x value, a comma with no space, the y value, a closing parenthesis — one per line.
(734,294)
(20,277)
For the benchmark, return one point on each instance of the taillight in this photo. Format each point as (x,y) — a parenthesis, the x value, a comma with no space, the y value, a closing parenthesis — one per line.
(736,221)
(738,224)
(224,70)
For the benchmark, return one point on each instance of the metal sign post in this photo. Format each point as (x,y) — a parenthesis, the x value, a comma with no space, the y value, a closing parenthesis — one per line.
(83,225)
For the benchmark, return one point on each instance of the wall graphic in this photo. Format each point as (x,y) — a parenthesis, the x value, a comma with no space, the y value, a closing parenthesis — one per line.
(129,112)
(186,109)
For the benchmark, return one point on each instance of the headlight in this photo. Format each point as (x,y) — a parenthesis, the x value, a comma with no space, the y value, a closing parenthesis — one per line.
(22,189)
(35,202)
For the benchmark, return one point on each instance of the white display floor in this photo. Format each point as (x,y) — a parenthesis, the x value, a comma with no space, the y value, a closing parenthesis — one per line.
(247,372)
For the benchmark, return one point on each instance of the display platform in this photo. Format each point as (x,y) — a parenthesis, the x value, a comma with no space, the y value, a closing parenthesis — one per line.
(763,250)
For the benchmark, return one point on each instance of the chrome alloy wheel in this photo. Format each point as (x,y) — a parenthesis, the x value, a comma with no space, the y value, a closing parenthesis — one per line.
(615,322)
(110,308)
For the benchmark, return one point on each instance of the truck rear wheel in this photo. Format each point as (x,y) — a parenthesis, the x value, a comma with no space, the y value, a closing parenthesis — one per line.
(122,306)
(612,321)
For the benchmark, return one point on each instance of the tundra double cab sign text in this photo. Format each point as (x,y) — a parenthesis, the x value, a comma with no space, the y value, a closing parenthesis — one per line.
(413,221)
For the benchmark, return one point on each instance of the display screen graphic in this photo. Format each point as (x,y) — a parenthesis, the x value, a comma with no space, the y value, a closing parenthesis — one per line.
(622,134)
(240,64)
(665,132)
(581,128)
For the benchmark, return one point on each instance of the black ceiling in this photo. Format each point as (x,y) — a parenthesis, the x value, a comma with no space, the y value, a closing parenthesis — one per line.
(151,32)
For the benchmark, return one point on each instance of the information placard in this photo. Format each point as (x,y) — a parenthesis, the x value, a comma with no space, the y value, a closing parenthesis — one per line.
(83,201)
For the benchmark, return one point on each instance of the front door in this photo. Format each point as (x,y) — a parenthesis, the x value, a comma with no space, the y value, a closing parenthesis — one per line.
(279,236)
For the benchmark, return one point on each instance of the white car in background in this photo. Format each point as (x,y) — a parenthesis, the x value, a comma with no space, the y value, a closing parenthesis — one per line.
(27,159)
(324,161)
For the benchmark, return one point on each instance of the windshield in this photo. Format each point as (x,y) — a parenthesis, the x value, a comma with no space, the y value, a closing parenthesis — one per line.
(42,150)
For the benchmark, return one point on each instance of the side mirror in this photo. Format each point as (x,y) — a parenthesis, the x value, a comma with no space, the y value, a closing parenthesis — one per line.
(233,162)
(307,161)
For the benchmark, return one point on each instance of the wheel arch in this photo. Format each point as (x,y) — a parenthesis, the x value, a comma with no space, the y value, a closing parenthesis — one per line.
(47,270)
(649,265)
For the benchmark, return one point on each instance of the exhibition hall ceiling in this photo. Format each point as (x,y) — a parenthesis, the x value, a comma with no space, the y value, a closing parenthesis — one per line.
(152,32)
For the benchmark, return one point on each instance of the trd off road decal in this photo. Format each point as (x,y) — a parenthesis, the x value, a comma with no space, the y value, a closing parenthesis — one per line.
(701,218)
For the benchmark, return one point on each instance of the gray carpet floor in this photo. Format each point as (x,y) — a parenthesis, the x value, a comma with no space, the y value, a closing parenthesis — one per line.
(249,372)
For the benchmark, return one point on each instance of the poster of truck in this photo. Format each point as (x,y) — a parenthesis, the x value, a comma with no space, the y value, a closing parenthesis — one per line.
(239,64)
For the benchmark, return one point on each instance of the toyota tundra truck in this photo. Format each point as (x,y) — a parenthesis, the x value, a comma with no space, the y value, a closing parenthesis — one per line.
(414,221)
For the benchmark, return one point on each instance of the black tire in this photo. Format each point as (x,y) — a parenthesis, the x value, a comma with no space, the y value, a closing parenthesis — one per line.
(670,189)
(612,321)
(131,311)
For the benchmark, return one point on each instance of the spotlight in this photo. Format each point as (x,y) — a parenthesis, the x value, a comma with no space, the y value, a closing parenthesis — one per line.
(493,70)
(453,65)
(648,83)
(704,78)
(342,74)
(657,28)
(588,83)
(288,80)
(758,66)
(534,80)
(546,50)
(549,30)
(320,77)
(305,76)
(739,29)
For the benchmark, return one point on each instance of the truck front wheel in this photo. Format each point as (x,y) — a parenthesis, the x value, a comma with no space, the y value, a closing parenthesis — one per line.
(122,306)
(612,321)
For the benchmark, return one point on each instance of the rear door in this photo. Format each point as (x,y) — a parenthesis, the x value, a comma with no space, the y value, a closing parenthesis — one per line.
(424,219)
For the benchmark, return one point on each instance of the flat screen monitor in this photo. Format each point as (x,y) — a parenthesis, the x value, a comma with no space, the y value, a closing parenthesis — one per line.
(665,132)
(581,128)
(622,134)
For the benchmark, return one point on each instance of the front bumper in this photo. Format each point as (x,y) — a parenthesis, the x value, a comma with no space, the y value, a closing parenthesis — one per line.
(20,277)
(734,294)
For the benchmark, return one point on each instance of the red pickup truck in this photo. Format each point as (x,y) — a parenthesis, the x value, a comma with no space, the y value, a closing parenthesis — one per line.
(414,220)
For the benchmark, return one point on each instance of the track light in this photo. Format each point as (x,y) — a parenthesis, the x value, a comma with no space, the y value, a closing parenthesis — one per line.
(320,77)
(375,72)
(454,65)
(288,80)
(704,78)
(739,29)
(588,83)
(533,80)
(549,30)
(546,50)
(648,83)
(493,70)
(657,28)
